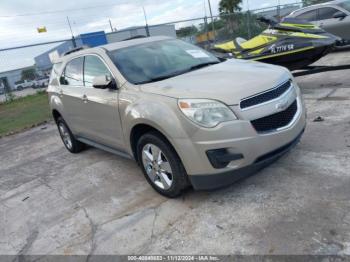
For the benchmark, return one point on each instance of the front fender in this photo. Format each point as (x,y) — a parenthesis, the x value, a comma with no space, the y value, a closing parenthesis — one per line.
(56,104)
(159,112)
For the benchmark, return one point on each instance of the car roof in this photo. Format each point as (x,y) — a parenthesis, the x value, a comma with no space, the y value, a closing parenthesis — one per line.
(306,8)
(133,42)
(112,46)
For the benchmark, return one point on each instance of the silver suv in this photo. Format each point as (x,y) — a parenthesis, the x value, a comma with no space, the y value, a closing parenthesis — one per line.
(186,117)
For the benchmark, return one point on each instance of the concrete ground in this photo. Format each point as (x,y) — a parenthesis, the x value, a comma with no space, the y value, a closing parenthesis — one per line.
(53,202)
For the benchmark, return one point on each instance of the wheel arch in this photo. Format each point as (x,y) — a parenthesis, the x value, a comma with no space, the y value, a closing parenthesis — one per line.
(139,130)
(56,114)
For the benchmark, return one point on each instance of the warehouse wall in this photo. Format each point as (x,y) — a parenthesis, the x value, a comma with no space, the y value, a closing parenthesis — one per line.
(11,77)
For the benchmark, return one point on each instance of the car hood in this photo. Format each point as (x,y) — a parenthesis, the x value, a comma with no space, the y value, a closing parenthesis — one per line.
(229,81)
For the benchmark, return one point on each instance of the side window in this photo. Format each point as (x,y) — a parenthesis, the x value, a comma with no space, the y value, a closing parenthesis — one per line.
(326,13)
(73,73)
(94,67)
(308,16)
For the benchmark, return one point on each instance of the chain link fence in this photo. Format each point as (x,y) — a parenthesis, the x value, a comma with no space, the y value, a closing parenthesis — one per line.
(221,28)
(208,30)
(24,69)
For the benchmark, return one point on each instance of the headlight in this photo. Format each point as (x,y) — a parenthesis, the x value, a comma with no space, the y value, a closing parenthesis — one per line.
(205,112)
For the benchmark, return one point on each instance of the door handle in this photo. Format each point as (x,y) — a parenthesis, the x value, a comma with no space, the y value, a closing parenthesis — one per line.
(84,98)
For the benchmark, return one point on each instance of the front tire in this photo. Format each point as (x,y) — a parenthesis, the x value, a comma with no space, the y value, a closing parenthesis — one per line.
(161,165)
(68,139)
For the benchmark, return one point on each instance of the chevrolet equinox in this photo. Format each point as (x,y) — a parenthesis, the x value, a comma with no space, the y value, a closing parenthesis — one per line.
(185,116)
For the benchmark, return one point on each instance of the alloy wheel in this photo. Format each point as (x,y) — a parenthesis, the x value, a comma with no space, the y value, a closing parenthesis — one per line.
(157,166)
(65,135)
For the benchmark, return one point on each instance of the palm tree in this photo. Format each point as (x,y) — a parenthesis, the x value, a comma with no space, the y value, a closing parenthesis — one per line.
(229,6)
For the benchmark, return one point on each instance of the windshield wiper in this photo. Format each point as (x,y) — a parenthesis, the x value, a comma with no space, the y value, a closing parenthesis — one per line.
(180,72)
(199,66)
(163,77)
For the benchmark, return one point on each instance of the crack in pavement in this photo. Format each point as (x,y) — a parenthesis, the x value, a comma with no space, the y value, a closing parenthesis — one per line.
(29,242)
(146,246)
(154,223)
(93,229)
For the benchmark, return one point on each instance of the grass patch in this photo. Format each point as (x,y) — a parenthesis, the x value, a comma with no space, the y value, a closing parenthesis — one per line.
(23,113)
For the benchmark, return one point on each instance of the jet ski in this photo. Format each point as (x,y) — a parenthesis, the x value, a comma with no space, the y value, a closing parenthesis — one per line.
(292,43)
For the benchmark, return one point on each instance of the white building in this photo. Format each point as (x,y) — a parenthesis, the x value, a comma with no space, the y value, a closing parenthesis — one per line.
(9,78)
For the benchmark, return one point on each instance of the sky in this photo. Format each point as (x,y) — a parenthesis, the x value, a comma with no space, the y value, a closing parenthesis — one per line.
(19,19)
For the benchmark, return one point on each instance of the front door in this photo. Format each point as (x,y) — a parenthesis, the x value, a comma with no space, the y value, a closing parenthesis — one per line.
(101,114)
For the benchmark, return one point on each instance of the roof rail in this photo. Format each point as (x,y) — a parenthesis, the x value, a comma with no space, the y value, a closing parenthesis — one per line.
(134,37)
(75,50)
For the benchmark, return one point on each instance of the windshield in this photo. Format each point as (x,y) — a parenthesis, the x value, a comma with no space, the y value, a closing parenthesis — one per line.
(159,60)
(345,5)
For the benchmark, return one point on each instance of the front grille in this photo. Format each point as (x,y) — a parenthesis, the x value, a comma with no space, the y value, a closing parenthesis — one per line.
(275,121)
(266,96)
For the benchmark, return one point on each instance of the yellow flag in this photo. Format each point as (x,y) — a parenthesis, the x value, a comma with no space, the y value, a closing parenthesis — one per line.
(42,29)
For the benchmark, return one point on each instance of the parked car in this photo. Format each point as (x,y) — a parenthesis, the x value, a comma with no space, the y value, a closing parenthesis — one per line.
(333,17)
(20,85)
(41,82)
(183,115)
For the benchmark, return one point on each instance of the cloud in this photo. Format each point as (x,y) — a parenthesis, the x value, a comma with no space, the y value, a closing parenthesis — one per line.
(123,13)
(22,29)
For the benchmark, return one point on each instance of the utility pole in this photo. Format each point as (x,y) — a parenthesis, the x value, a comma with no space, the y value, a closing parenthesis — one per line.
(144,13)
(71,31)
(110,24)
(279,10)
(212,20)
(248,20)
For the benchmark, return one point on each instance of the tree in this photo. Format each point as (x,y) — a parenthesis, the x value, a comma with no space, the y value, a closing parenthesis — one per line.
(186,31)
(229,6)
(28,74)
(218,24)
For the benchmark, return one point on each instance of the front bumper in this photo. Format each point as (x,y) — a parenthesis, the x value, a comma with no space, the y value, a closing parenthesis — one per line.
(210,182)
(219,156)
(240,138)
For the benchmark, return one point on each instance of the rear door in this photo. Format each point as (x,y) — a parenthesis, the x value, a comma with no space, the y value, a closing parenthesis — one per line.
(100,110)
(336,26)
(71,93)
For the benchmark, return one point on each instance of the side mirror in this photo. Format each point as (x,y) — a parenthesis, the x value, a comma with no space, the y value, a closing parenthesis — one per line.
(103,82)
(340,15)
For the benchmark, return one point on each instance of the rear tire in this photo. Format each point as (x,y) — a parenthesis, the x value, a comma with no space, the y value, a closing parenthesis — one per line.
(161,165)
(74,146)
